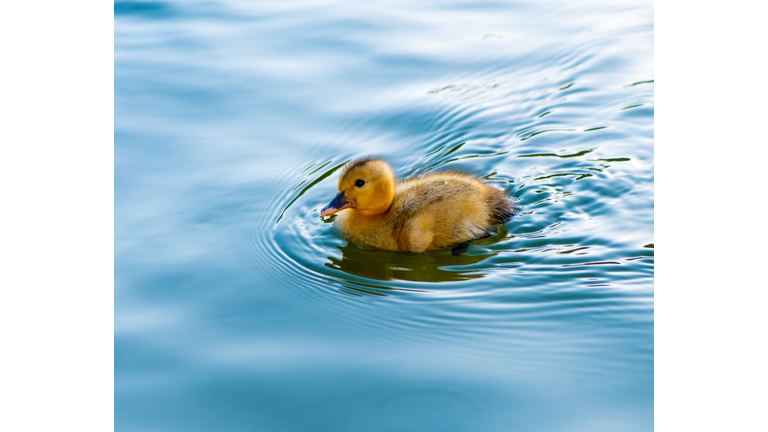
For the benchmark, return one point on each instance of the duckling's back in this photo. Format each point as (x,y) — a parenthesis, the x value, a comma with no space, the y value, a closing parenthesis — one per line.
(445,209)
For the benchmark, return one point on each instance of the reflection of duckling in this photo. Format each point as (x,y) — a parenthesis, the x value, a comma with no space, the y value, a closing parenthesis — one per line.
(424,213)
(423,267)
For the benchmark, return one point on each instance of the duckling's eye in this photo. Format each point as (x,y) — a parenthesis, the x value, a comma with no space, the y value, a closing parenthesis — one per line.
(359,183)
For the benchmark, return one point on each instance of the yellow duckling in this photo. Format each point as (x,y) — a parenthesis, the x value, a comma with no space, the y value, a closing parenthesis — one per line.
(416,215)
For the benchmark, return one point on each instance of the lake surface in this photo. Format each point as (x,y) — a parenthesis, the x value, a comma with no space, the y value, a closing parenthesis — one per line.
(238,309)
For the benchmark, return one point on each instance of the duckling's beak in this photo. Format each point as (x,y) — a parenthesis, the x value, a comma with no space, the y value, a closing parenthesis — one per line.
(339,203)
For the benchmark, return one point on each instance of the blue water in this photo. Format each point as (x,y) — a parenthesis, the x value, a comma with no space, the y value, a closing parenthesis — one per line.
(237,308)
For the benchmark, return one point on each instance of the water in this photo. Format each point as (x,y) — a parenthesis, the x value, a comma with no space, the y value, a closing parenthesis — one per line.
(238,308)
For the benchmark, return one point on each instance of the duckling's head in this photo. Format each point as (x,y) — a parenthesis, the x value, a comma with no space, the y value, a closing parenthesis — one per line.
(367,186)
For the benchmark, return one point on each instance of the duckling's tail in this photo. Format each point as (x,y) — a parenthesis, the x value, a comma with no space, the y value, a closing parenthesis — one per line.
(503,208)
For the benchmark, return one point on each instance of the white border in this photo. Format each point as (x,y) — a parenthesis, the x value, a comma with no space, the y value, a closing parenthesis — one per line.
(710,152)
(57,217)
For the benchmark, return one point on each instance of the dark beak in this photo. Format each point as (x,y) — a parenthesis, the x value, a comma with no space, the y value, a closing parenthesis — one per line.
(339,203)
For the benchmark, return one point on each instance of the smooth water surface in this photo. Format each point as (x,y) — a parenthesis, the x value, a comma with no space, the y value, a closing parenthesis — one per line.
(237,308)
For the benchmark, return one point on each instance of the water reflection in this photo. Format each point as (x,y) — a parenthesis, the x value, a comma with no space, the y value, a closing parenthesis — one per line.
(434,266)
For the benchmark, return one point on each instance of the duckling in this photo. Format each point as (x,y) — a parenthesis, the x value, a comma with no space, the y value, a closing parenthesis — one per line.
(416,215)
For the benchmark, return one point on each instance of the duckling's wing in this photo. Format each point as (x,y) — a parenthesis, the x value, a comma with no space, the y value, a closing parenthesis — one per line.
(414,232)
